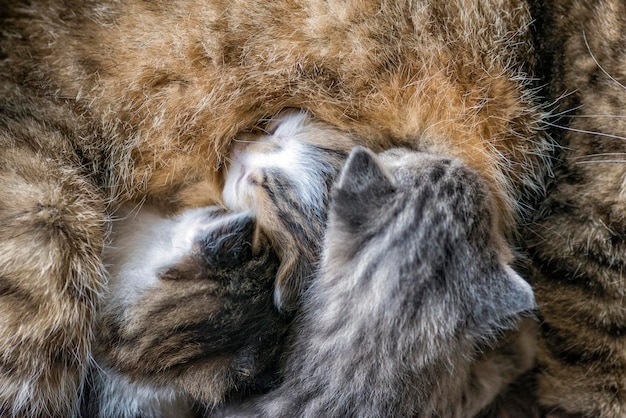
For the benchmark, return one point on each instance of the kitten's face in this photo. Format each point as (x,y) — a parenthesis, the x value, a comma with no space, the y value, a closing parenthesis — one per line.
(284,177)
(295,157)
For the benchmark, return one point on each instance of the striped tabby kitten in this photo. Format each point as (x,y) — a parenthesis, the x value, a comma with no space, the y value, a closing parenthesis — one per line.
(413,286)
(285,177)
(189,314)
(578,240)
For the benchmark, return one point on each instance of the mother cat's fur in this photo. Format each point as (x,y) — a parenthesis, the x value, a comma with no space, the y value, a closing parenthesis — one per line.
(103,102)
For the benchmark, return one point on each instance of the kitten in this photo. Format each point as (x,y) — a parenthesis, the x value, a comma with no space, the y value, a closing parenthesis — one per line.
(188,316)
(413,285)
(284,177)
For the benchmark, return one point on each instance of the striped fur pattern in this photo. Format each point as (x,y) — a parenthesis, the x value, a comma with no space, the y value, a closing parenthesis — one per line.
(52,228)
(414,287)
(189,315)
(284,176)
(105,101)
(578,241)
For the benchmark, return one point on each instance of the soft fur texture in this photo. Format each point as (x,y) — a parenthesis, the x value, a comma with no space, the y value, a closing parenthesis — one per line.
(103,102)
(412,285)
(189,315)
(164,86)
(284,177)
(577,240)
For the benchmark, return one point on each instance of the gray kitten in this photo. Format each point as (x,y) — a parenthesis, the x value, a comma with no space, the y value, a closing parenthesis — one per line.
(412,291)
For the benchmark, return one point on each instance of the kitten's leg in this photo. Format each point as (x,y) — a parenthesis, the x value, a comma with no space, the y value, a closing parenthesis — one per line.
(51,279)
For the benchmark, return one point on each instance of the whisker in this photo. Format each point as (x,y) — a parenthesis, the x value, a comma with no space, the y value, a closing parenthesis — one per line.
(582,131)
(244,141)
(599,116)
(565,112)
(604,154)
(599,161)
(598,64)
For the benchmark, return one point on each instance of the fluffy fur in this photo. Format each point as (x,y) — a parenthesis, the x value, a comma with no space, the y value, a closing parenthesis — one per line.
(167,85)
(189,315)
(103,102)
(284,177)
(577,240)
(412,286)
(431,209)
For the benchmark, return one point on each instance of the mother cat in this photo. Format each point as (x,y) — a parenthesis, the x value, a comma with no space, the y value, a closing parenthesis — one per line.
(103,102)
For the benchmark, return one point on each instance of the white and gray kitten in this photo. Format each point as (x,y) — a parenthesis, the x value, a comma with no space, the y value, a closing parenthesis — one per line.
(284,177)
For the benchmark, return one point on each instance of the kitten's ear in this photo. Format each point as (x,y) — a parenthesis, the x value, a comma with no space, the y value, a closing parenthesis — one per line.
(507,299)
(363,184)
(363,172)
(520,295)
(229,243)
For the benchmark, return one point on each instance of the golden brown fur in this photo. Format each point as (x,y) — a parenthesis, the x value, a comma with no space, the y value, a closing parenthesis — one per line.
(110,101)
(170,83)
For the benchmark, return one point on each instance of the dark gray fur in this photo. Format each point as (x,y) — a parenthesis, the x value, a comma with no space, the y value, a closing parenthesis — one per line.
(411,294)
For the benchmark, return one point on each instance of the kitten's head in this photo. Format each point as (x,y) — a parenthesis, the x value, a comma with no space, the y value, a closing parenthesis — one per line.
(431,220)
(284,176)
(190,304)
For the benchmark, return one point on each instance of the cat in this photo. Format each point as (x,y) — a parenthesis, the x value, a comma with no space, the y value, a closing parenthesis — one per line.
(189,314)
(105,102)
(414,289)
(576,240)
